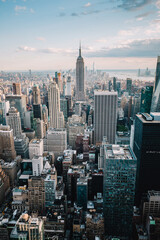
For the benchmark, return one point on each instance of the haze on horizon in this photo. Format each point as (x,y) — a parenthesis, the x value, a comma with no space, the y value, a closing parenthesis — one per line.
(42,35)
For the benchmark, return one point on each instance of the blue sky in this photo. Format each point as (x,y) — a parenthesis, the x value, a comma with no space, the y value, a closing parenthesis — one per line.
(45,34)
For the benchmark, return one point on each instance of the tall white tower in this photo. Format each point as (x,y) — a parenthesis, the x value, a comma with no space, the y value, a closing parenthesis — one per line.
(14,121)
(105,116)
(80,96)
(56,117)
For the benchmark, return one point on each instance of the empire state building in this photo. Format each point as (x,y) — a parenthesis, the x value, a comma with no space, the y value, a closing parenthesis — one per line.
(80,78)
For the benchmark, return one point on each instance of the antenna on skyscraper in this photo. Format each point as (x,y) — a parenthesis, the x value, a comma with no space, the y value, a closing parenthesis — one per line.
(80,48)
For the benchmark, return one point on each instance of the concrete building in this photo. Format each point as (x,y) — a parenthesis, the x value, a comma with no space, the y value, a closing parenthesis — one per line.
(28,120)
(4,185)
(151,205)
(14,121)
(68,87)
(35,148)
(17,89)
(36,95)
(80,94)
(28,227)
(56,117)
(50,188)
(36,194)
(38,127)
(4,108)
(105,116)
(55,141)
(73,130)
(20,199)
(94,225)
(37,165)
(7,149)
(11,169)
(19,102)
(21,144)
(118,189)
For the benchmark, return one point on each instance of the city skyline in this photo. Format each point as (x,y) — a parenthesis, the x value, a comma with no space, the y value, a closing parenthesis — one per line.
(40,36)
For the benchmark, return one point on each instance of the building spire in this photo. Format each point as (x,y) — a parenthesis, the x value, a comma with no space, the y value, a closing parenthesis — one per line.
(80,49)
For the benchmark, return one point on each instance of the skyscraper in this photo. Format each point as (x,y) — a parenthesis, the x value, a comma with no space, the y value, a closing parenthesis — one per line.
(118,189)
(105,115)
(155,106)
(80,96)
(129,85)
(17,89)
(19,102)
(14,121)
(7,149)
(146,98)
(56,117)
(147,148)
(36,95)
(36,193)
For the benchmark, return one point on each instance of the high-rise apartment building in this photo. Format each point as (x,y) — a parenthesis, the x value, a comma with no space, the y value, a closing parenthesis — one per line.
(17,89)
(14,121)
(105,115)
(118,189)
(56,117)
(7,149)
(80,94)
(155,106)
(146,147)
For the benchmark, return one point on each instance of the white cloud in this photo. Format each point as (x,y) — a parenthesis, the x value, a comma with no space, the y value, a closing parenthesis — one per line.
(26,49)
(20,8)
(45,50)
(3,0)
(41,38)
(32,10)
(87,4)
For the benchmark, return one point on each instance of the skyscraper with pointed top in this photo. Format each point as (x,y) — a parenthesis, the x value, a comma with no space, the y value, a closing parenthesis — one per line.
(80,96)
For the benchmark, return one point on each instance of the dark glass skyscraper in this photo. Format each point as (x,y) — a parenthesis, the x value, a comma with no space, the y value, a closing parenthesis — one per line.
(147,150)
(80,96)
(155,107)
(146,99)
(118,190)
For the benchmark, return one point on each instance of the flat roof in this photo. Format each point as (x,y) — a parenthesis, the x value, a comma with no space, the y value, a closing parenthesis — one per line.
(96,92)
(119,152)
(145,121)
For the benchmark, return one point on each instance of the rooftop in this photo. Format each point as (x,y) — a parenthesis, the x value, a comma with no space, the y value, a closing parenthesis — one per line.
(149,118)
(35,141)
(100,92)
(119,152)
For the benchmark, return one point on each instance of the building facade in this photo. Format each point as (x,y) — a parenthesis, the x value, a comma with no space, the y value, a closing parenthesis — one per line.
(105,116)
